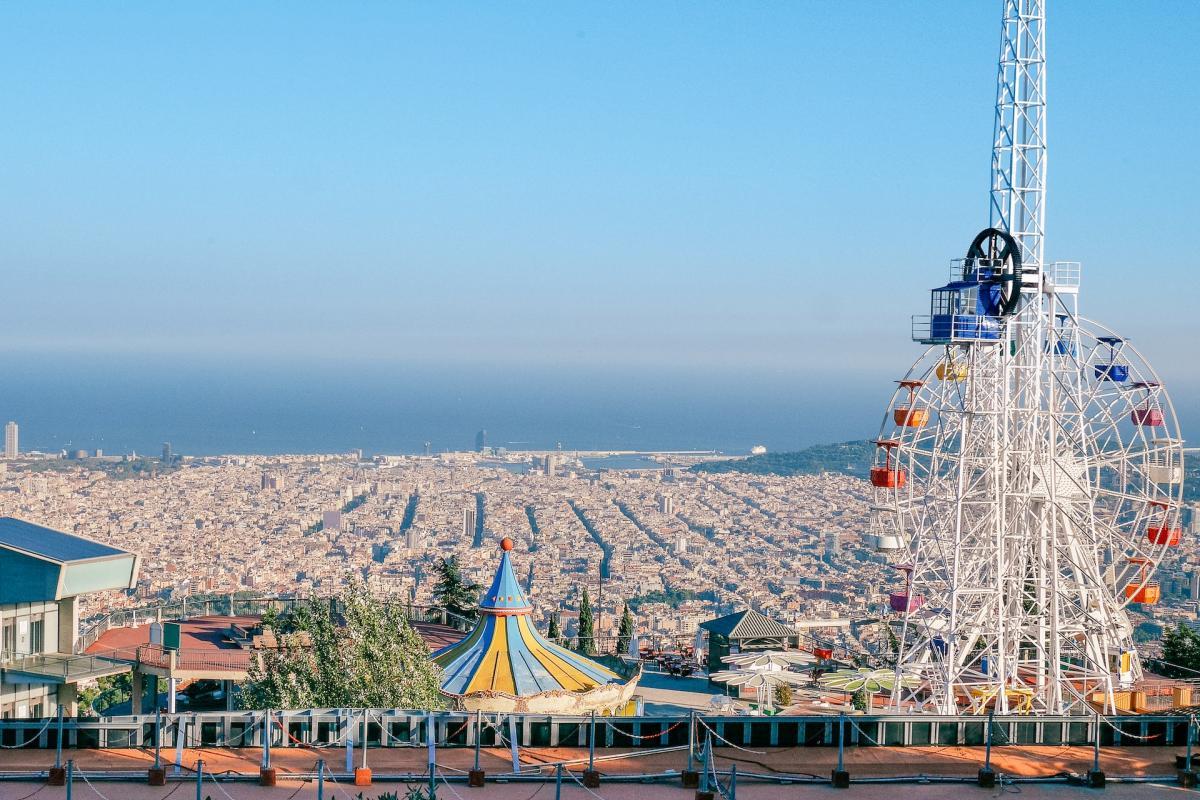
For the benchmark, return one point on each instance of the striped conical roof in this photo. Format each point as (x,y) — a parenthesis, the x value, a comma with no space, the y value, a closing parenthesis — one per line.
(505,653)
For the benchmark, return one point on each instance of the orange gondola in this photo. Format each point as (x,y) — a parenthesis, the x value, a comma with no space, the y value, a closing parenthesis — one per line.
(911,415)
(1143,590)
(1161,531)
(886,476)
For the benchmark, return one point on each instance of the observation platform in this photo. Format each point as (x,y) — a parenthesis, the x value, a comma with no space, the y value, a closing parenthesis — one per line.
(625,775)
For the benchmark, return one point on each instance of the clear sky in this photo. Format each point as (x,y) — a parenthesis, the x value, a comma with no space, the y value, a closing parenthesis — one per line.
(702,185)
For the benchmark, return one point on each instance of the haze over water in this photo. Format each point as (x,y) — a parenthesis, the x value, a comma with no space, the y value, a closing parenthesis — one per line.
(210,408)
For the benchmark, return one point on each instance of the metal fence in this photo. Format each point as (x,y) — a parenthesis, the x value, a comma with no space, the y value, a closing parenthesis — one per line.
(392,728)
(232,606)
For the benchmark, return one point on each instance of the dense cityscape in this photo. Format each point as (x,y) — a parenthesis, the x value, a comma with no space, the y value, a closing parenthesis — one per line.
(679,545)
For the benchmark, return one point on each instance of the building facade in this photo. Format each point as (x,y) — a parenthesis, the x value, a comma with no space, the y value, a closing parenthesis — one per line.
(44,572)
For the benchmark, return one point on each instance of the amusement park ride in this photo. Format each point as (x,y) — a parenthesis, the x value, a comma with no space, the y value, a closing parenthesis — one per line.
(1029,471)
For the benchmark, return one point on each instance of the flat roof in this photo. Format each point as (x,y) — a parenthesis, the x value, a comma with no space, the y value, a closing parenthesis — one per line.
(38,540)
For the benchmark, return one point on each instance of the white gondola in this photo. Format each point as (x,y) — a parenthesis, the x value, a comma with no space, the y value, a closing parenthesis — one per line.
(1164,463)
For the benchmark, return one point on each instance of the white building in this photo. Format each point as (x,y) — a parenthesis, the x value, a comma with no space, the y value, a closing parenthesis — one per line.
(11,443)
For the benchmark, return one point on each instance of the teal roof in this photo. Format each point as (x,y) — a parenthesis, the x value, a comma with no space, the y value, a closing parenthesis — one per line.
(50,544)
(748,624)
(40,564)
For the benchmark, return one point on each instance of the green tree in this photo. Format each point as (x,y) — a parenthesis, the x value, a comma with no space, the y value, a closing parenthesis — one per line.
(554,632)
(452,590)
(587,625)
(783,695)
(1181,652)
(354,651)
(625,631)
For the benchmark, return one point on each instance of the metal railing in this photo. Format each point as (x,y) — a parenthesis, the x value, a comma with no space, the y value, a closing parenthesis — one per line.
(393,728)
(232,606)
(69,668)
(1065,274)
(932,329)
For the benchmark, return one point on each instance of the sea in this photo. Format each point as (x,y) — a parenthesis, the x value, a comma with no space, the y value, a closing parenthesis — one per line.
(249,406)
(210,407)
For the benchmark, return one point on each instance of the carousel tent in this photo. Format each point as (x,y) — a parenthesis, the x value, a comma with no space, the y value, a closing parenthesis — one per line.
(505,659)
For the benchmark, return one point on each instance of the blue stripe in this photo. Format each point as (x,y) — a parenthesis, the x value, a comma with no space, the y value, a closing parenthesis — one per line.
(459,672)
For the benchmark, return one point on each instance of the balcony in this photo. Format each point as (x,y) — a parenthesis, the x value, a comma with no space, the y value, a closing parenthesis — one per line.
(60,668)
(947,328)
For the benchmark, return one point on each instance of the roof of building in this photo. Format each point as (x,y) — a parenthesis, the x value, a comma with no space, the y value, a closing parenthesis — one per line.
(748,624)
(38,540)
(40,564)
(505,653)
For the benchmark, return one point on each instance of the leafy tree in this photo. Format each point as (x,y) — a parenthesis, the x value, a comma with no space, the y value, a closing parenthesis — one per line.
(453,592)
(625,631)
(783,695)
(1181,652)
(354,651)
(861,700)
(587,625)
(554,632)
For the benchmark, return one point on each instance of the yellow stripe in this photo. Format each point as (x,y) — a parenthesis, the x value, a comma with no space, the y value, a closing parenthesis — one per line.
(495,671)
(556,650)
(562,670)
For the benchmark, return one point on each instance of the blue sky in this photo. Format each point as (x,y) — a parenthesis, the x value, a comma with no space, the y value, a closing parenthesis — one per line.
(710,186)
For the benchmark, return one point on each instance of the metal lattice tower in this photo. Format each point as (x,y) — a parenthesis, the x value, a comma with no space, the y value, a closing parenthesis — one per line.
(1019,144)
(1029,477)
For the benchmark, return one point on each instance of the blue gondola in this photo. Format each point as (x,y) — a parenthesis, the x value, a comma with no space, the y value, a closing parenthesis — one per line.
(1112,369)
(938,645)
(965,310)
(1062,338)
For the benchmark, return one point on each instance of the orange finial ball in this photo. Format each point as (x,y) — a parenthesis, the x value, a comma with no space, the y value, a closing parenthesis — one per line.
(506,544)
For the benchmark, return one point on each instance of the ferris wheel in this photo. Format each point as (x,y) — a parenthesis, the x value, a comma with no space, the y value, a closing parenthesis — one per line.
(1028,477)
(1125,453)
(1115,483)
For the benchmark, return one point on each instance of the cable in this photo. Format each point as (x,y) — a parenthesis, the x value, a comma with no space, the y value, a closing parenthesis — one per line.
(173,791)
(213,777)
(726,741)
(337,787)
(29,741)
(586,789)
(448,786)
(83,775)
(35,791)
(643,736)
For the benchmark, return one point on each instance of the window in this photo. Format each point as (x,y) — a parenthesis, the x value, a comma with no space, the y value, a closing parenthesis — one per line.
(8,647)
(37,634)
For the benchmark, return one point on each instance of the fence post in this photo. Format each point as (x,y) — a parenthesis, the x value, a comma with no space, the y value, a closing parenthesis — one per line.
(200,779)
(70,776)
(733,782)
(987,777)
(591,778)
(320,779)
(58,742)
(689,778)
(558,782)
(362,775)
(1096,776)
(180,740)
(266,775)
(156,775)
(840,777)
(476,776)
